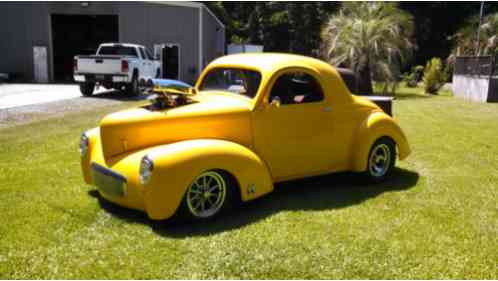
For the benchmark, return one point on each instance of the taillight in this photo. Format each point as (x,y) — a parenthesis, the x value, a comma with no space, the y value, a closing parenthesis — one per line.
(75,65)
(124,66)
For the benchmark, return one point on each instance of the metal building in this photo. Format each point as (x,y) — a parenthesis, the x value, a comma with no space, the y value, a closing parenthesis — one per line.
(39,39)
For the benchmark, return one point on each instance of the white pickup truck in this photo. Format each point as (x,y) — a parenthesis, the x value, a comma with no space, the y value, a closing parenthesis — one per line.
(116,65)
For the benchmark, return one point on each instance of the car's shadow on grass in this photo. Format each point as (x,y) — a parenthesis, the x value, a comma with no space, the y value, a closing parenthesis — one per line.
(328,192)
(116,95)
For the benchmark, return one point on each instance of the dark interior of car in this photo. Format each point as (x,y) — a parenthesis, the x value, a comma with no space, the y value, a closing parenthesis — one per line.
(295,88)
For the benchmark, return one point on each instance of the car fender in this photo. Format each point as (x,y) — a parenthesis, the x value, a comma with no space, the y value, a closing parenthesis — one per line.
(176,165)
(378,124)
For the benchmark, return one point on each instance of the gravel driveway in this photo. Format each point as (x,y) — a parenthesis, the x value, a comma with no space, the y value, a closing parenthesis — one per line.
(21,104)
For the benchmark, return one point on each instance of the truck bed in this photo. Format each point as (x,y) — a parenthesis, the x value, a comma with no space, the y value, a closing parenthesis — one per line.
(383,102)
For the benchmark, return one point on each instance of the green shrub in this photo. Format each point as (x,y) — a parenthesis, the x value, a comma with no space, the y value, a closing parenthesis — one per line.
(413,77)
(434,76)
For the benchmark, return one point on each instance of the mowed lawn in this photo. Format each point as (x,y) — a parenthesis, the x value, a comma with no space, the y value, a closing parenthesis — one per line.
(436,218)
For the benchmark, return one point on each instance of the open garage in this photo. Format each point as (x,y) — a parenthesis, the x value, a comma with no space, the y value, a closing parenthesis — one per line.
(42,38)
(79,35)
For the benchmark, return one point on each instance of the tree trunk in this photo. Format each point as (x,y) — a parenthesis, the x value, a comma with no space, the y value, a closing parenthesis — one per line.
(365,81)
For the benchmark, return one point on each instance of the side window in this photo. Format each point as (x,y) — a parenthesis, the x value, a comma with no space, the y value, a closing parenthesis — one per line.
(142,53)
(149,55)
(295,88)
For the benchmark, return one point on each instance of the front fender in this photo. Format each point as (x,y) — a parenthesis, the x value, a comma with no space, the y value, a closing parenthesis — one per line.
(177,164)
(377,125)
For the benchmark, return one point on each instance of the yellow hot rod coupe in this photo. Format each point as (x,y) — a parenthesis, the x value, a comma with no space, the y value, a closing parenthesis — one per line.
(250,121)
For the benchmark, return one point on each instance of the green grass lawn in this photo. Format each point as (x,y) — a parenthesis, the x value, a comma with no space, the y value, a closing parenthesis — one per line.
(436,218)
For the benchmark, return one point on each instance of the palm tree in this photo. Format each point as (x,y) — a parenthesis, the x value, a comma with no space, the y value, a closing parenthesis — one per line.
(373,39)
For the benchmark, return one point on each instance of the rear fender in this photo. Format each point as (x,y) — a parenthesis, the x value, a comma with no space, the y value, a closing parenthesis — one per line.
(176,165)
(376,125)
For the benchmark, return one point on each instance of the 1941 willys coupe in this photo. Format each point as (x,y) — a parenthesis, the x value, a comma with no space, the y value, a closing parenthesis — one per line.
(250,121)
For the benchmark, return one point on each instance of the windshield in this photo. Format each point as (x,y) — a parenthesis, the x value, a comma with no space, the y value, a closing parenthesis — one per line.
(118,50)
(235,80)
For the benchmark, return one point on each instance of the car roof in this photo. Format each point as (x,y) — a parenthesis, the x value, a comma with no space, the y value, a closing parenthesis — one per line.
(271,61)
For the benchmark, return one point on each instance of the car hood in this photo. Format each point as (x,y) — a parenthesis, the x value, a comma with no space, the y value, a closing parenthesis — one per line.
(210,115)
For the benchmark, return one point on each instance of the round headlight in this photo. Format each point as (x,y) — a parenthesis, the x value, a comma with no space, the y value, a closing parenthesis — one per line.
(146,167)
(84,144)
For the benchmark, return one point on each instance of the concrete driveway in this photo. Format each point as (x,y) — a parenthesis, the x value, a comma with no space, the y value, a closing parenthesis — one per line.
(26,103)
(14,95)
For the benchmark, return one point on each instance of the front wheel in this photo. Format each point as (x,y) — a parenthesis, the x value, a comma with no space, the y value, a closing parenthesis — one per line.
(209,194)
(86,89)
(381,160)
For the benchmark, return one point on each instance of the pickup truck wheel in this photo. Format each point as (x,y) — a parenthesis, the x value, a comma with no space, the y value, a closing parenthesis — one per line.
(86,89)
(133,88)
(381,160)
(210,194)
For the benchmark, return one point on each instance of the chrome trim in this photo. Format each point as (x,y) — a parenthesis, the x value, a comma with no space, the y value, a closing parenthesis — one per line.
(108,181)
(150,163)
(84,150)
(108,172)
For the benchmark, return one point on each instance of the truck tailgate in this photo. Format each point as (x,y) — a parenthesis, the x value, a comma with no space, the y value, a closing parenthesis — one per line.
(99,64)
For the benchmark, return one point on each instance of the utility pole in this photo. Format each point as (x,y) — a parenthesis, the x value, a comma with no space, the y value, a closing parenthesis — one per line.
(479,29)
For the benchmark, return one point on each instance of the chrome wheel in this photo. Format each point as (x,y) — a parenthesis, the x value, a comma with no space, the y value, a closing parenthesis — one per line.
(380,160)
(206,195)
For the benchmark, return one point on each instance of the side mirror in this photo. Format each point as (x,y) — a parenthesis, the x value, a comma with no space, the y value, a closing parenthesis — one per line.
(275,101)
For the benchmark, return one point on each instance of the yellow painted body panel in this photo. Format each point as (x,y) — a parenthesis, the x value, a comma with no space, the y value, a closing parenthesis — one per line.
(175,166)
(183,161)
(120,131)
(256,142)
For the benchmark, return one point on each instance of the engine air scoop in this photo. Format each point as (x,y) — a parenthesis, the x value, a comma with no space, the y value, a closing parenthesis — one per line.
(166,93)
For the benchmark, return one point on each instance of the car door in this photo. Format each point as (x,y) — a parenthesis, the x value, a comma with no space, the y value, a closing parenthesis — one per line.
(292,127)
(151,64)
(145,63)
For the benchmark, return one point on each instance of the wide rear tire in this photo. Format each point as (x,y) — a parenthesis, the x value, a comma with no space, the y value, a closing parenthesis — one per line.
(87,89)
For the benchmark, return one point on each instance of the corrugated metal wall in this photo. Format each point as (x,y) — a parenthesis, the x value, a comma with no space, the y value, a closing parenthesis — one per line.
(24,25)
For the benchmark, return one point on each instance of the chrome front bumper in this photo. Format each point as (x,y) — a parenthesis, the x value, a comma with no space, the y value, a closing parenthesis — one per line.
(108,181)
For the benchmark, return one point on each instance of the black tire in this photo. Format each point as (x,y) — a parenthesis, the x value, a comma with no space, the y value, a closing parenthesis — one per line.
(87,89)
(158,73)
(381,160)
(133,89)
(187,210)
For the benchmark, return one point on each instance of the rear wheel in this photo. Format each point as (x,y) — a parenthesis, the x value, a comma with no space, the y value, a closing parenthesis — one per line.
(210,194)
(133,88)
(381,160)
(86,89)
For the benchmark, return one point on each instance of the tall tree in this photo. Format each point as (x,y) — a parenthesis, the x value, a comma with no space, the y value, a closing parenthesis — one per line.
(374,39)
(278,26)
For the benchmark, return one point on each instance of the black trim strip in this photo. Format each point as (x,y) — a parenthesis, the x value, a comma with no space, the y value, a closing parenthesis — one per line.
(106,57)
